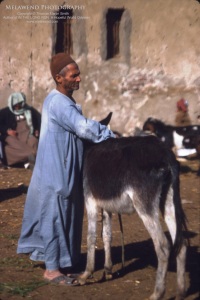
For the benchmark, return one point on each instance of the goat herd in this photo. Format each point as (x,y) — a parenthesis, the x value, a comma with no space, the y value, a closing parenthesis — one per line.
(141,174)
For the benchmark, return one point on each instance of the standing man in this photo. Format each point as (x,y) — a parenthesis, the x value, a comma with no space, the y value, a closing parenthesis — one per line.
(53,214)
(182,117)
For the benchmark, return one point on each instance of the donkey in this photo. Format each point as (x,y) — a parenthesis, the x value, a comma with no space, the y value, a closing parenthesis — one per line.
(135,174)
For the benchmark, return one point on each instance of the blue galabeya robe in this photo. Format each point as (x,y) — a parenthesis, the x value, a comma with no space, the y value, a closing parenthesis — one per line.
(52,223)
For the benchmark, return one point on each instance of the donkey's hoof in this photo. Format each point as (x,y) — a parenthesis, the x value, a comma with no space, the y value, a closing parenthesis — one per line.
(108,276)
(180,297)
(157,296)
(86,276)
(81,281)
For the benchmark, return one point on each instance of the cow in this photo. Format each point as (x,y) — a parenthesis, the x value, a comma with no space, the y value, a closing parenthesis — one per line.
(135,174)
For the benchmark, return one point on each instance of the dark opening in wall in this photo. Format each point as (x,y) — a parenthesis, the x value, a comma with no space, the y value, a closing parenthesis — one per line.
(64,39)
(113,18)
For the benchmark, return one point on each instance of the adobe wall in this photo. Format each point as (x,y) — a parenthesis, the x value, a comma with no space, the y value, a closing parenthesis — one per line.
(159,58)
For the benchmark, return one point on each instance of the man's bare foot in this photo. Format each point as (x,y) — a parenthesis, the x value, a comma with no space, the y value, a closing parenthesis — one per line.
(51,274)
(56,277)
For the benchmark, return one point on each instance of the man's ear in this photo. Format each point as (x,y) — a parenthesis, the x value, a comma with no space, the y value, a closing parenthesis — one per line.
(58,78)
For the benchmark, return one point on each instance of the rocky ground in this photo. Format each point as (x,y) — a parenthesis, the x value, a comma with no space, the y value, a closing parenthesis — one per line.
(22,279)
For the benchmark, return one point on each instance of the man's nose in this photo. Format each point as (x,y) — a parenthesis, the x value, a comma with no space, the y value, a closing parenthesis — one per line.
(78,78)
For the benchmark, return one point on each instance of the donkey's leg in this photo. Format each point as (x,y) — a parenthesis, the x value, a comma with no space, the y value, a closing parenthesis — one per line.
(161,245)
(92,214)
(181,260)
(107,239)
(170,219)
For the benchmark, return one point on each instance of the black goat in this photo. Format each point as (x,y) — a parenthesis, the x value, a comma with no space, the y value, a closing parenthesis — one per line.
(135,174)
(174,136)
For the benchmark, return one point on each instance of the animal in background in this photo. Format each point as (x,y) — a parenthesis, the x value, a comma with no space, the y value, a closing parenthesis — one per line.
(173,136)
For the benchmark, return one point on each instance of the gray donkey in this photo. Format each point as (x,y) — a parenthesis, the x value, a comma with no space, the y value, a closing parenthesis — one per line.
(135,174)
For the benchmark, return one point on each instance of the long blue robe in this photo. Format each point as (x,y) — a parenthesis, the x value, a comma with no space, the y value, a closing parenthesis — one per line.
(53,214)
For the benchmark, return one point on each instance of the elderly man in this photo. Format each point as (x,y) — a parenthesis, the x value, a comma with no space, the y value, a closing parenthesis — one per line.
(53,214)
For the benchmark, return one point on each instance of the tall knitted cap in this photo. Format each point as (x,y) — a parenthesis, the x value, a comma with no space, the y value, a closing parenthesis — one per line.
(58,62)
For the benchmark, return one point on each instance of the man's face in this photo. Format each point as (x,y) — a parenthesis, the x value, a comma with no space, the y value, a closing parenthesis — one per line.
(69,78)
(18,106)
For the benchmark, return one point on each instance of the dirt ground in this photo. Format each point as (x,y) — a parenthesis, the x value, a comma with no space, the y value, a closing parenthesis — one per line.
(22,279)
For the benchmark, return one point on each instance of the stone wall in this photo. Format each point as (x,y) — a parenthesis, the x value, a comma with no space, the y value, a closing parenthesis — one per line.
(159,59)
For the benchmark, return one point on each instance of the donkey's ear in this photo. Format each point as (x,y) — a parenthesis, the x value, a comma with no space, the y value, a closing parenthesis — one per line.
(106,121)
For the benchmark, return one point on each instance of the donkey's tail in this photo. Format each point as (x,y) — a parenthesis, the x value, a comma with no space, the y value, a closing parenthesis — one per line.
(181,220)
